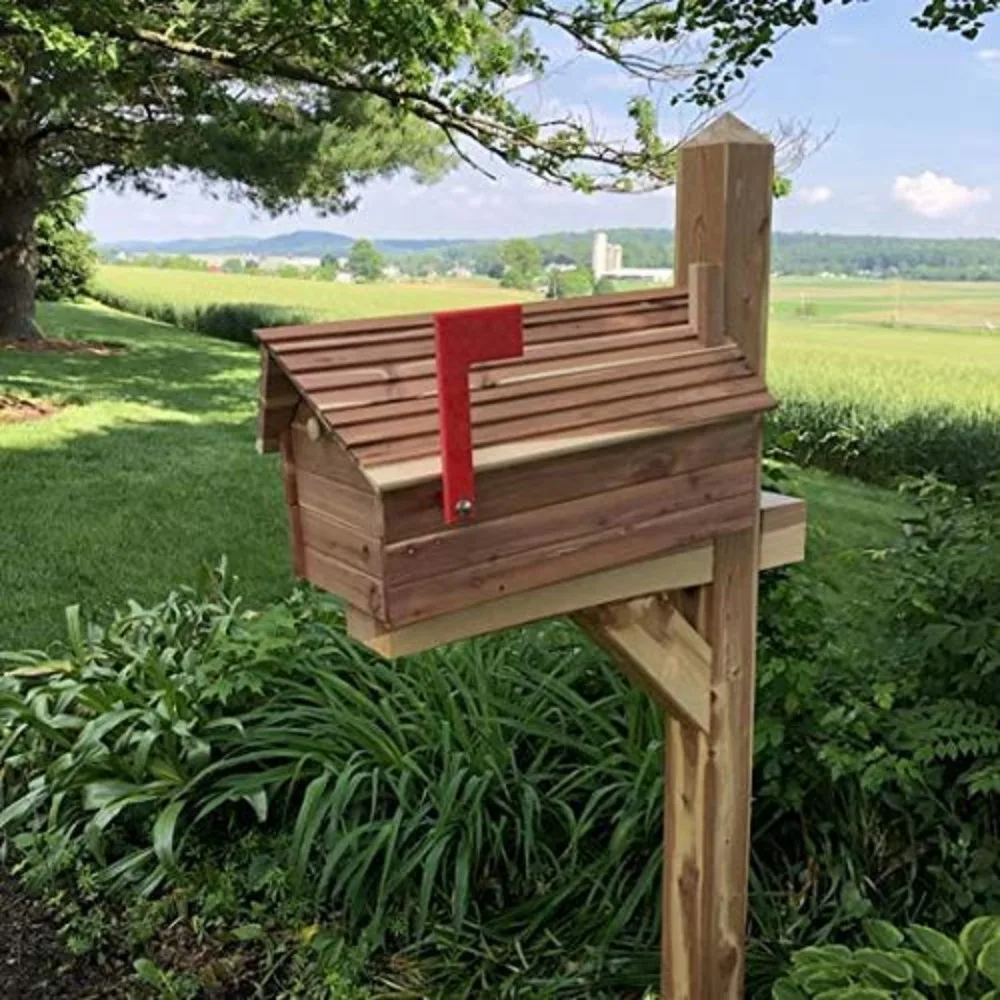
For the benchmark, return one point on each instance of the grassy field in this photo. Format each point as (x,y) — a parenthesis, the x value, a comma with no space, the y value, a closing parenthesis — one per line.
(150,472)
(903,346)
(320,299)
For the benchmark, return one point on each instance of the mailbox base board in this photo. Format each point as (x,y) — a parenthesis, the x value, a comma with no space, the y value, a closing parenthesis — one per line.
(782,541)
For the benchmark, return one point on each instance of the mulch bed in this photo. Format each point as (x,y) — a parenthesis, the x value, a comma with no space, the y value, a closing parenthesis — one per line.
(56,345)
(16,409)
(34,965)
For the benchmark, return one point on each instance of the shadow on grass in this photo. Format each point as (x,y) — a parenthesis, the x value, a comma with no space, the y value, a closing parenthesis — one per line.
(101,503)
(161,366)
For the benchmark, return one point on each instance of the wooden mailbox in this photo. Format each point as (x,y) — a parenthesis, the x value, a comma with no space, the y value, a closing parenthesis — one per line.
(617,479)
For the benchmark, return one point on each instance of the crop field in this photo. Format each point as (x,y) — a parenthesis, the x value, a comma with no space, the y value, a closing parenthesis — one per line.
(901,346)
(319,299)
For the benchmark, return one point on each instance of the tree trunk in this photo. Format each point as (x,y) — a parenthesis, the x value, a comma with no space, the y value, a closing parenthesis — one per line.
(20,202)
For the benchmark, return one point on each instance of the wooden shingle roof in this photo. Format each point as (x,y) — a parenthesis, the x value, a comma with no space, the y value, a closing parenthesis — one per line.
(594,370)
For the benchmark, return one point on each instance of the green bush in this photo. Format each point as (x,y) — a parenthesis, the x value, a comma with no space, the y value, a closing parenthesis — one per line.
(66,255)
(860,441)
(914,964)
(235,321)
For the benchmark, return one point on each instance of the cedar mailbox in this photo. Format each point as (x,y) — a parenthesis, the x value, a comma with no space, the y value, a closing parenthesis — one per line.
(452,475)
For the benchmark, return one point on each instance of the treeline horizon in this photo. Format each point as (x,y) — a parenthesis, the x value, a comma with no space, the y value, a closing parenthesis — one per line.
(805,254)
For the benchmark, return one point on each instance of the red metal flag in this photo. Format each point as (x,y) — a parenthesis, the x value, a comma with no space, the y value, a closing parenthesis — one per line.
(462,339)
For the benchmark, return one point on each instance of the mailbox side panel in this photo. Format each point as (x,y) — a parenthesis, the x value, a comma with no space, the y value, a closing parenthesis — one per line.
(547,521)
(336,518)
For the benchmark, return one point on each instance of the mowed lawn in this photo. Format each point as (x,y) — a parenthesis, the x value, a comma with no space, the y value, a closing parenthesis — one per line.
(149,472)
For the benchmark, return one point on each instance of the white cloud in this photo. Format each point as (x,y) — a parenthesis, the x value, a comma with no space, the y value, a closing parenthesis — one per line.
(818,195)
(989,55)
(936,197)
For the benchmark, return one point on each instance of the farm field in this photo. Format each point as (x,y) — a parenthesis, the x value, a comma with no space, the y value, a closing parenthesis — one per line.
(903,346)
(319,299)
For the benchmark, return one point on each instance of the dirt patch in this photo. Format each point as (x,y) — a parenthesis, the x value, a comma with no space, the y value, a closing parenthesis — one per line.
(102,348)
(16,409)
(34,965)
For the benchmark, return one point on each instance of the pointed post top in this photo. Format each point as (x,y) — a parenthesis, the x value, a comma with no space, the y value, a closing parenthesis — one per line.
(725,129)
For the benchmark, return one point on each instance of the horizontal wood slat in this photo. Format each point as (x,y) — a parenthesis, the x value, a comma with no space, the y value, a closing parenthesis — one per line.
(355,508)
(333,538)
(692,567)
(550,386)
(599,394)
(416,510)
(535,313)
(679,408)
(599,514)
(335,389)
(352,584)
(537,567)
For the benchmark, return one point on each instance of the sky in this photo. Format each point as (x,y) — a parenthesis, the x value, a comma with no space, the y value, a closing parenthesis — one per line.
(914,148)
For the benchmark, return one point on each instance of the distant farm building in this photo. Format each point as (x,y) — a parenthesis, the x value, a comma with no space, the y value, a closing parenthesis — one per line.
(607,261)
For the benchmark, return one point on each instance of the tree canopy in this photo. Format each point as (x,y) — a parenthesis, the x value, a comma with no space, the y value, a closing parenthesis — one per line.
(364,261)
(291,101)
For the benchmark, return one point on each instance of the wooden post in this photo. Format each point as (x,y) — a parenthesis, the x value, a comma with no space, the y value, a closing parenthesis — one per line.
(724,197)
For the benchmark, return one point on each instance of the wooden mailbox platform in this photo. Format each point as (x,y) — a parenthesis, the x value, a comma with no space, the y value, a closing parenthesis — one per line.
(616,480)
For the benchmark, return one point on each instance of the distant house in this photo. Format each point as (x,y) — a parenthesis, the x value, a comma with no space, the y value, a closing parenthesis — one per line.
(344,278)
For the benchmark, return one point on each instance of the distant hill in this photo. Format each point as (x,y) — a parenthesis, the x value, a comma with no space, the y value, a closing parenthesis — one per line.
(794,253)
(302,243)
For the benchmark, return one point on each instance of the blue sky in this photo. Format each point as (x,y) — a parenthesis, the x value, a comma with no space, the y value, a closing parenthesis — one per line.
(915,148)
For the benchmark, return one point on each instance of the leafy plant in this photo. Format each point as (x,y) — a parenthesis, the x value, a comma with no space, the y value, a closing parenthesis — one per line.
(916,963)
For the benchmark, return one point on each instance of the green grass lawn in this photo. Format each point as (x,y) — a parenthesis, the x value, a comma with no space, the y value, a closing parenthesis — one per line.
(150,471)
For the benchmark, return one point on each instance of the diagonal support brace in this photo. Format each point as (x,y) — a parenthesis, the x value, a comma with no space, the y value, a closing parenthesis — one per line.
(658,650)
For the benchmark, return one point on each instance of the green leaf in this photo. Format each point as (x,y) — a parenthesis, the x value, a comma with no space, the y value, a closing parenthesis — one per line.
(988,962)
(924,970)
(976,933)
(883,935)
(784,989)
(884,966)
(943,951)
(249,932)
(163,833)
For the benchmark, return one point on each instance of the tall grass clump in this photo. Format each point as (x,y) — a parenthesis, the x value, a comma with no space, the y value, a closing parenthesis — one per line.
(233,321)
(884,445)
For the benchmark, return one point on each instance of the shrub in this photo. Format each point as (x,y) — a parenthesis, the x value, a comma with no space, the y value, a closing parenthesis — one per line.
(914,964)
(234,321)
(66,256)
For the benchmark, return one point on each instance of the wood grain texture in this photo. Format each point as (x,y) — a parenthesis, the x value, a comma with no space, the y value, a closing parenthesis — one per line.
(290,480)
(355,508)
(724,202)
(278,401)
(286,337)
(538,529)
(527,570)
(708,303)
(512,489)
(333,537)
(674,410)
(659,651)
(326,457)
(358,588)
(686,569)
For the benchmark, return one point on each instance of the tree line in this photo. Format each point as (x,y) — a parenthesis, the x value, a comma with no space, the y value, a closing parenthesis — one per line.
(793,253)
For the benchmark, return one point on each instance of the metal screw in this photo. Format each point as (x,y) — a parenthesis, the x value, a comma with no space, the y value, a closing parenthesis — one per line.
(463,507)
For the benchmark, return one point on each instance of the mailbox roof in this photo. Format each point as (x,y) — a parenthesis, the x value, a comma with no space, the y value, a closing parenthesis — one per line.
(595,370)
